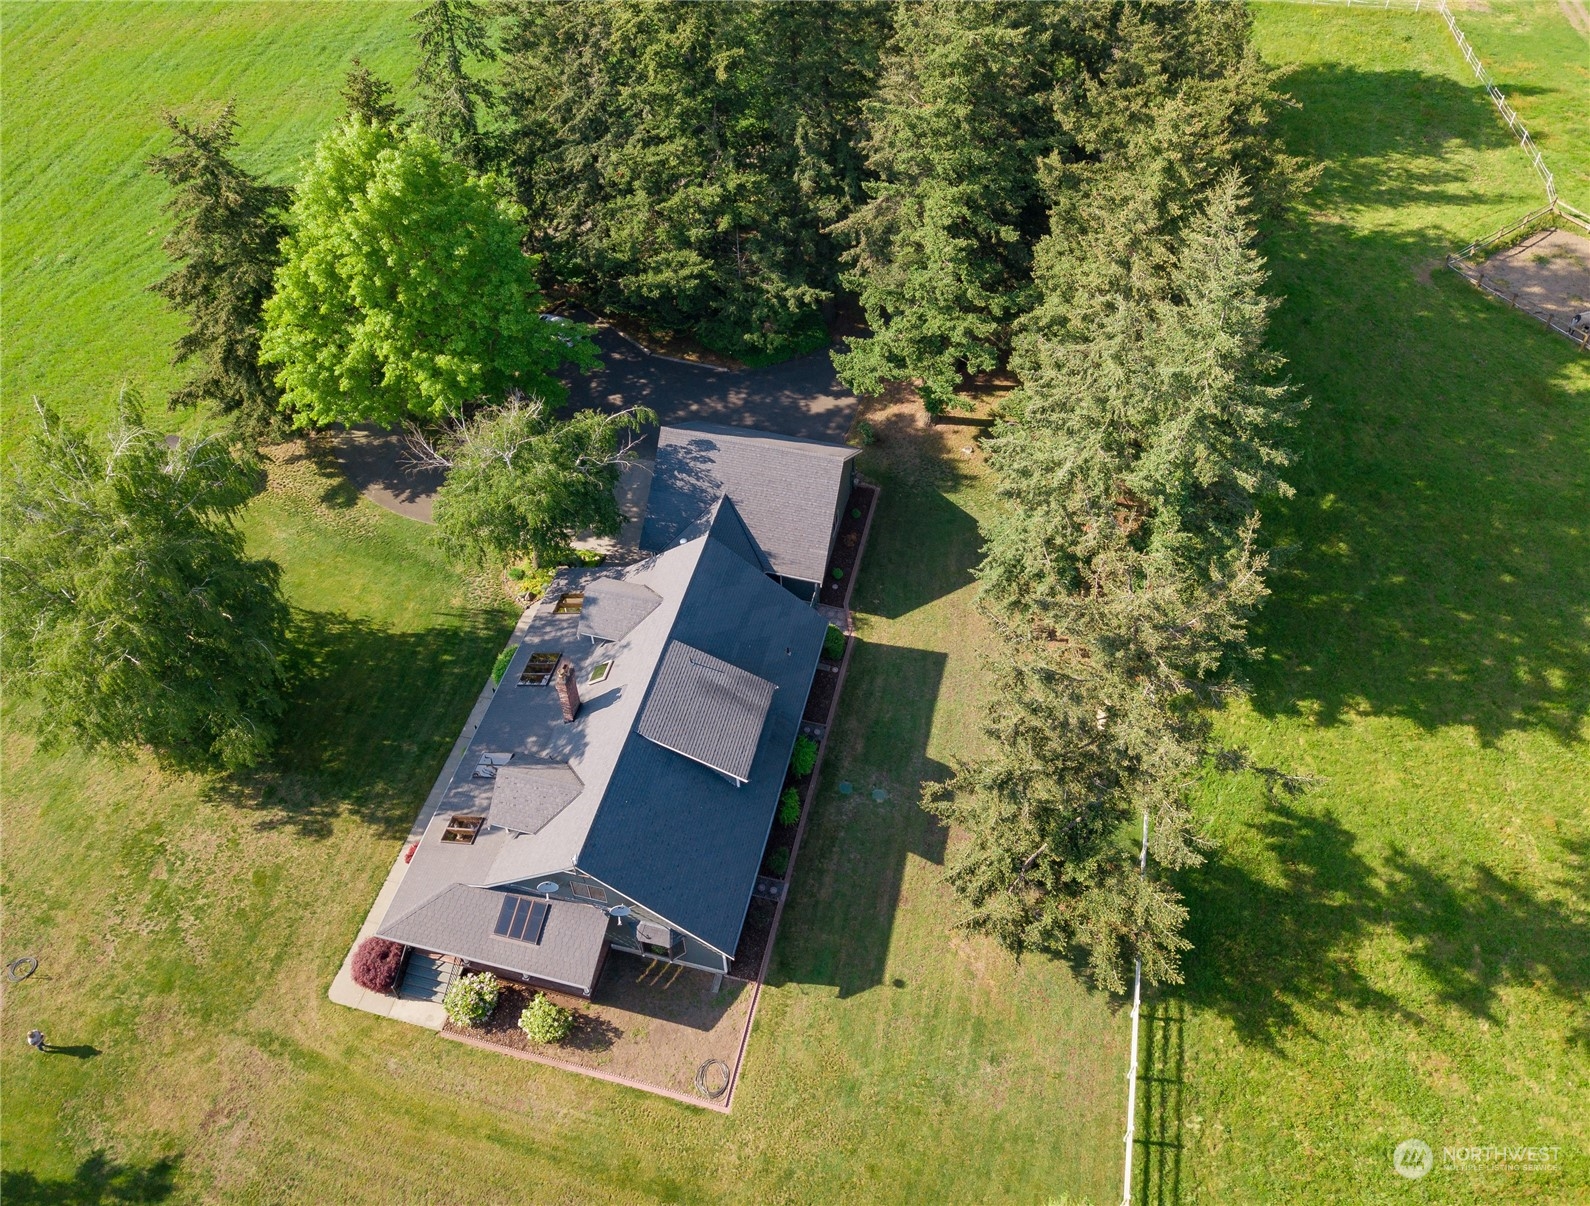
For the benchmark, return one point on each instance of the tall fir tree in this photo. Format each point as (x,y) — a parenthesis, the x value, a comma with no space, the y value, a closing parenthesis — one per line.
(452,33)
(940,253)
(681,163)
(1158,424)
(369,97)
(227,245)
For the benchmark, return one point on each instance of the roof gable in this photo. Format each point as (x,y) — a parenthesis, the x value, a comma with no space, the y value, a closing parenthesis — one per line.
(613,606)
(525,798)
(786,490)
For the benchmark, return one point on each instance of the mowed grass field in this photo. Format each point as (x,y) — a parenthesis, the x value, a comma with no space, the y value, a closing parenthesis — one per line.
(1398,952)
(188,928)
(1403,951)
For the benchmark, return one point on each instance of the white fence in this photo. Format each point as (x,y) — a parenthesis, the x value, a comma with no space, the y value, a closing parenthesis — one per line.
(1500,101)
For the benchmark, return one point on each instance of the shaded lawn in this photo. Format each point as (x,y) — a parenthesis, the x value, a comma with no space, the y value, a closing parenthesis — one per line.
(1404,949)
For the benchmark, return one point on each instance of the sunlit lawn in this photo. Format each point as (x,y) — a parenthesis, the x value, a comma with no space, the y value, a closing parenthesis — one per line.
(188,929)
(1404,950)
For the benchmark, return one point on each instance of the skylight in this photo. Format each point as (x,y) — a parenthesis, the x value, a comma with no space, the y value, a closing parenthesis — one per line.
(538,670)
(521,918)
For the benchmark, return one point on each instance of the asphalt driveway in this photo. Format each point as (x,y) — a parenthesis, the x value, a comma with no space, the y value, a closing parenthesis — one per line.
(800,397)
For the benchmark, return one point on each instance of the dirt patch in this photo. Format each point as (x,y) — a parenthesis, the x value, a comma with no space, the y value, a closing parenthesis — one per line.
(1549,273)
(647,1021)
(1578,16)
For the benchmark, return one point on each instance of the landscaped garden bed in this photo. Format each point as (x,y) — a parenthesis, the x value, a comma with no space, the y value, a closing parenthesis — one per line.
(648,1022)
(825,686)
(754,937)
(847,546)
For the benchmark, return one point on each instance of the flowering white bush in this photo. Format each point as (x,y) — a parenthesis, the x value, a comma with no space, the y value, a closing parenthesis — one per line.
(470,999)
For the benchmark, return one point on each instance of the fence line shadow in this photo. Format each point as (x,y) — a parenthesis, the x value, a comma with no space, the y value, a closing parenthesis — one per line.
(1161,1074)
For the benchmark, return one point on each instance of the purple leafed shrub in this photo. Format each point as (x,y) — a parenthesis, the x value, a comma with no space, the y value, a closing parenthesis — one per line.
(376,963)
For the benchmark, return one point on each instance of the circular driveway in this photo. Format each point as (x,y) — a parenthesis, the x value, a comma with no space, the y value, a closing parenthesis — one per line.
(800,397)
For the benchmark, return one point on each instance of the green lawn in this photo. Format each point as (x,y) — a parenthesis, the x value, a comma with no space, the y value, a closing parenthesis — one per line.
(1542,64)
(1404,950)
(189,928)
(1400,951)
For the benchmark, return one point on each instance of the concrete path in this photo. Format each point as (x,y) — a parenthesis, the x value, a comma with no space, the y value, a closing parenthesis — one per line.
(800,397)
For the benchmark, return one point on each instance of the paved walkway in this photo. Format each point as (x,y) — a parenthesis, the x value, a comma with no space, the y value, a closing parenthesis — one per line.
(800,397)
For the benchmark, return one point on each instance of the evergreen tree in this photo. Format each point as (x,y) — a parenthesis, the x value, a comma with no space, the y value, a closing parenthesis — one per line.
(404,293)
(451,32)
(681,163)
(1174,98)
(940,254)
(129,612)
(1095,726)
(1156,427)
(226,243)
(369,96)
(521,481)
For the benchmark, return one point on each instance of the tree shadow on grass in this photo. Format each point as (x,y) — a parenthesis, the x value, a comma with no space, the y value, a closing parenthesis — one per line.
(1269,947)
(1441,564)
(1384,138)
(370,717)
(98,1179)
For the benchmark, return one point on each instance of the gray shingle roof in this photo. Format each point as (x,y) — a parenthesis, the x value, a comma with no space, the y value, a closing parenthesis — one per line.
(787,490)
(525,797)
(706,709)
(668,833)
(613,606)
(460,920)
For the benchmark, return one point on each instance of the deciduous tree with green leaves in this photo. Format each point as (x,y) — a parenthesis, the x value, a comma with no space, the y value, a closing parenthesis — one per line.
(522,481)
(129,612)
(404,293)
(226,244)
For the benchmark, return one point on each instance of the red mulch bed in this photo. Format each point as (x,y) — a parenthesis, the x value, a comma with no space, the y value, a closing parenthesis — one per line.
(825,683)
(753,938)
(847,545)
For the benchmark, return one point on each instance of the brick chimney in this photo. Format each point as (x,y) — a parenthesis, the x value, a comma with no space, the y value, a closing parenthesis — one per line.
(568,693)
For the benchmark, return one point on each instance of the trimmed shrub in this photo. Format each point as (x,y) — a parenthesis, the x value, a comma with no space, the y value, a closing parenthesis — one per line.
(778,861)
(789,806)
(516,572)
(545,1021)
(834,644)
(804,757)
(501,667)
(376,964)
(470,999)
(838,573)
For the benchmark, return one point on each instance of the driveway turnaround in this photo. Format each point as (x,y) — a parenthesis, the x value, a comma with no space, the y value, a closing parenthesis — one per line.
(800,397)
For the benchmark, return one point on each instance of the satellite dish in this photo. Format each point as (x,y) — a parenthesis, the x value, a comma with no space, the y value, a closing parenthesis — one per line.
(619,911)
(547,886)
